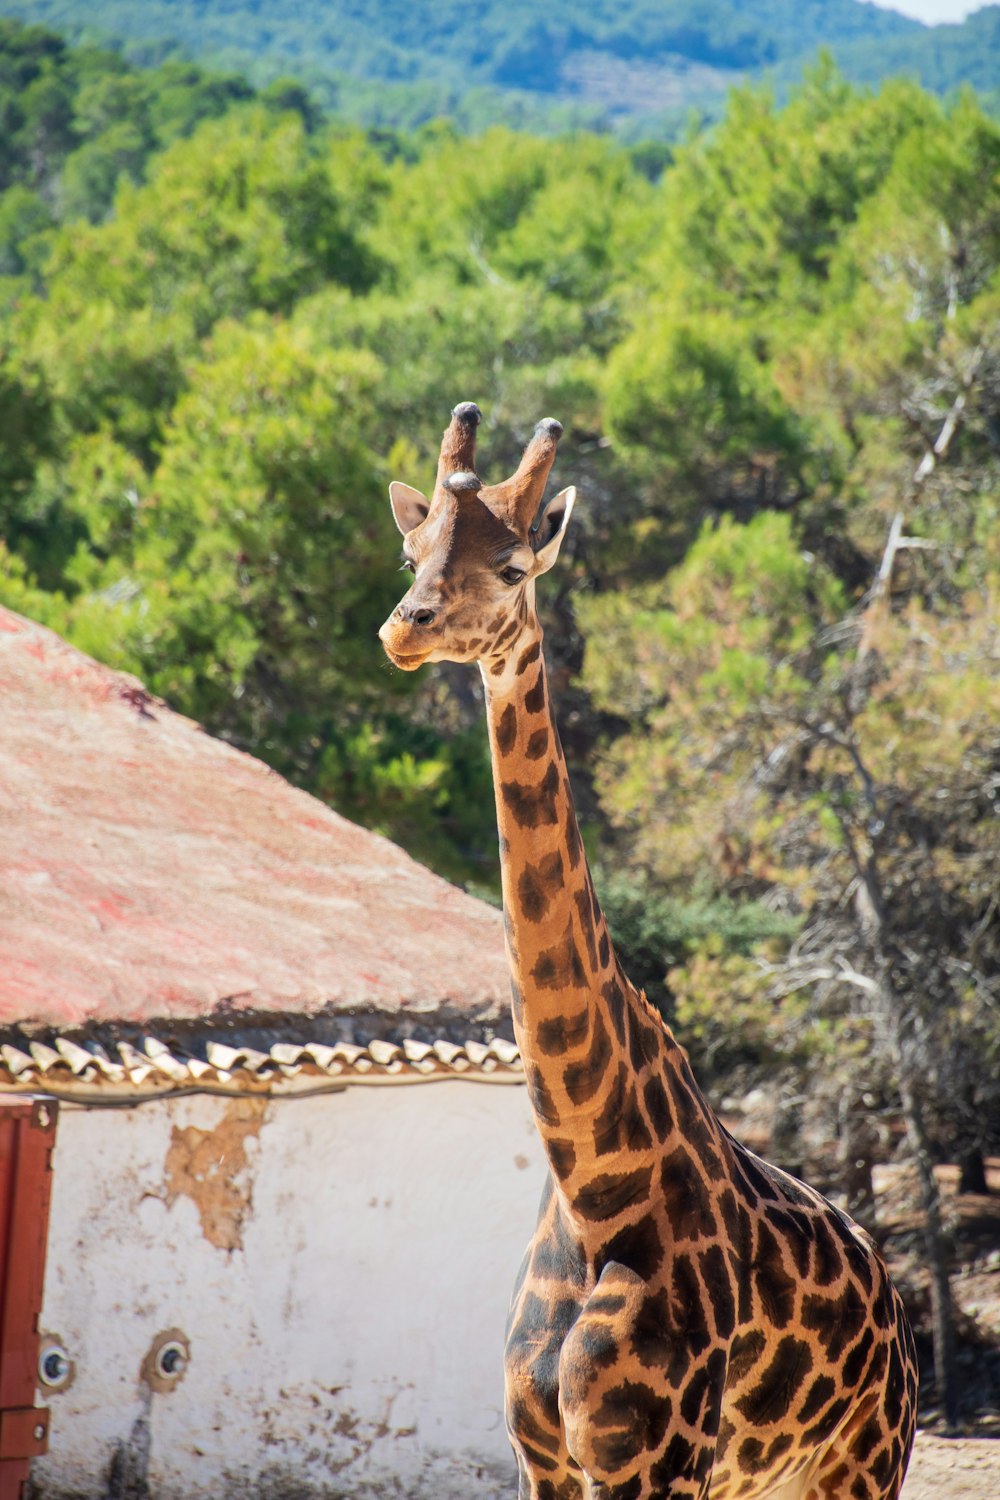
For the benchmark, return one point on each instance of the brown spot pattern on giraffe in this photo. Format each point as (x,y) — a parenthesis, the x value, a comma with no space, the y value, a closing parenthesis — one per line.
(506,730)
(768,1397)
(534,699)
(536,885)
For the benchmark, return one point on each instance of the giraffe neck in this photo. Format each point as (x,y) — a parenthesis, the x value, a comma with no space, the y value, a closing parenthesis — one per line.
(589,1041)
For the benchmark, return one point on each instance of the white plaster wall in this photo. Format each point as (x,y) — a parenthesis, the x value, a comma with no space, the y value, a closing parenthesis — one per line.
(351,1341)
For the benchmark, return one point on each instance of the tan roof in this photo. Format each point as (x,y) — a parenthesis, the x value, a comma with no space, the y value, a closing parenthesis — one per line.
(149,872)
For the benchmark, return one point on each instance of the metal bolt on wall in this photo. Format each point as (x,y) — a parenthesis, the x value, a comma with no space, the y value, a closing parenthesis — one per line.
(166,1360)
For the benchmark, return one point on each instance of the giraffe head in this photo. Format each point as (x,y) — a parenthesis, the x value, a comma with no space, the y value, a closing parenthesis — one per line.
(473,550)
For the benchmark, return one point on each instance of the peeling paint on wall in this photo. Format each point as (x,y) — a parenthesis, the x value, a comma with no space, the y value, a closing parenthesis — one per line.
(348,1350)
(211,1168)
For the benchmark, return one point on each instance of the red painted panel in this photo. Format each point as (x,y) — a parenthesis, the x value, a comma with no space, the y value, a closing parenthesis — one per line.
(27,1138)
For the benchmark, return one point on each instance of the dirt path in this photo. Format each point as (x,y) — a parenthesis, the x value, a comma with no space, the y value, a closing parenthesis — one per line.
(960,1469)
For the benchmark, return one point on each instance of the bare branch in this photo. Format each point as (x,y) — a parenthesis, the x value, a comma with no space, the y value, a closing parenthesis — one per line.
(942,442)
(842,971)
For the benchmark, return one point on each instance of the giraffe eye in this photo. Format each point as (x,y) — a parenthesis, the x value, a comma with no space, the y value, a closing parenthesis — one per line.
(512,575)
(407,566)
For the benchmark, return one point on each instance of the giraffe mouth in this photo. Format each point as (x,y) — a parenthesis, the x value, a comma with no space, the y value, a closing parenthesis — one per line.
(406,663)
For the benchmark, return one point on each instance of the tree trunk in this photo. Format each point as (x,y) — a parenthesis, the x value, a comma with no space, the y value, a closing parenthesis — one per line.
(936,1244)
(786,1136)
(972,1167)
(904,1032)
(856,1147)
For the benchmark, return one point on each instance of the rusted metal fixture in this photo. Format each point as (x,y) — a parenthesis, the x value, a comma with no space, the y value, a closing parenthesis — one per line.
(27,1140)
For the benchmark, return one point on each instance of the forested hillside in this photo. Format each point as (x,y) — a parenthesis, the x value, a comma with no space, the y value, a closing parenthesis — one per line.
(638,67)
(225,324)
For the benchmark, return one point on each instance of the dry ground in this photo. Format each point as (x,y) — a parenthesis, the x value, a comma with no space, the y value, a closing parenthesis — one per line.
(953,1469)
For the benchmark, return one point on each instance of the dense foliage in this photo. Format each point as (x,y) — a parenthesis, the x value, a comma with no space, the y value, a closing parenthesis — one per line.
(641,67)
(224,325)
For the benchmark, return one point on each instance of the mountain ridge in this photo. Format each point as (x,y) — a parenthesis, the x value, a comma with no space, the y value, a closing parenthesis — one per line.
(621,64)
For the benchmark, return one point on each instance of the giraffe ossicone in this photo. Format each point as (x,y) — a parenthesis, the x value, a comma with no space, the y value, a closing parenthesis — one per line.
(689,1321)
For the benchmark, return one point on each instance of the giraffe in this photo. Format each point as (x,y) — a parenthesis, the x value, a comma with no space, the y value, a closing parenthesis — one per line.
(689,1321)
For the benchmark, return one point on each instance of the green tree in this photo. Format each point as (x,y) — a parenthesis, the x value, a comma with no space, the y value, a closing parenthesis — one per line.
(242,216)
(91,174)
(25,218)
(26,436)
(258,543)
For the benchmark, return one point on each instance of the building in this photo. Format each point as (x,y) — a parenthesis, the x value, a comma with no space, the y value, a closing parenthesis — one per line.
(294,1168)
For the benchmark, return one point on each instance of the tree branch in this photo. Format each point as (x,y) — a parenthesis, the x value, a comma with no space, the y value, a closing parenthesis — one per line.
(942,442)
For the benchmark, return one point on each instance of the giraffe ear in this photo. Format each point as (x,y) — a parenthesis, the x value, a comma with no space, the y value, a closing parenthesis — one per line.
(548,534)
(409,507)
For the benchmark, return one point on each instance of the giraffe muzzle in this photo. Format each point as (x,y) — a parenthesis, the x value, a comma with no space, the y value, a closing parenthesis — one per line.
(404,636)
(406,663)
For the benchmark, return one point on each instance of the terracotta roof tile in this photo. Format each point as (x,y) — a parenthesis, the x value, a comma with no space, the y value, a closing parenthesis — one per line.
(152,874)
(87,1072)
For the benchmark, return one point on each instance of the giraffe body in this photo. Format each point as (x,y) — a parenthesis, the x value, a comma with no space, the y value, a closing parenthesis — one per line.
(688,1322)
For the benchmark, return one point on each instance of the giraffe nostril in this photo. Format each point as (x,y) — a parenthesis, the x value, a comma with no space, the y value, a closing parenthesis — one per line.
(422,617)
